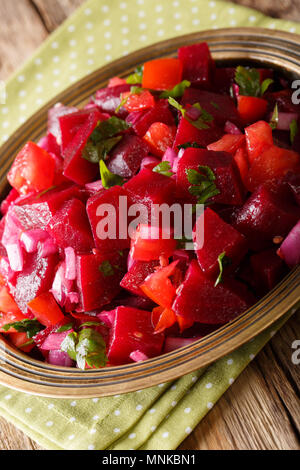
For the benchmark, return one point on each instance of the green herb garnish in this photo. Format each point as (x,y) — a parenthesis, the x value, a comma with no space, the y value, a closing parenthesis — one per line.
(293,130)
(163,168)
(30,327)
(202,183)
(64,328)
(106,269)
(223,261)
(248,80)
(190,145)
(136,77)
(201,122)
(274,118)
(177,91)
(108,178)
(86,347)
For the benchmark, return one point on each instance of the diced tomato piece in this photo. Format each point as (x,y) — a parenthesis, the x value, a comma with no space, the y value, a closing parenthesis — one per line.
(267,269)
(32,171)
(162,74)
(149,243)
(229,143)
(116,81)
(241,160)
(159,137)
(274,163)
(7,303)
(108,99)
(7,318)
(197,63)
(45,309)
(19,339)
(251,108)
(163,318)
(158,286)
(140,121)
(138,101)
(259,138)
(186,132)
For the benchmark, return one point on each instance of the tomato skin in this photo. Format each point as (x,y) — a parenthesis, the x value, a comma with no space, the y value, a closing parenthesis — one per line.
(7,303)
(159,137)
(251,108)
(259,138)
(145,248)
(46,310)
(228,143)
(159,288)
(18,339)
(116,81)
(163,318)
(138,102)
(32,171)
(241,159)
(162,74)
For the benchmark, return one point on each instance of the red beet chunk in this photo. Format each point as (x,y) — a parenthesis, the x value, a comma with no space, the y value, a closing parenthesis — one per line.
(49,143)
(228,179)
(102,222)
(142,120)
(293,182)
(108,99)
(76,168)
(10,199)
(148,188)
(199,301)
(53,119)
(70,124)
(136,275)
(36,211)
(70,227)
(221,107)
(126,158)
(219,237)
(263,217)
(186,132)
(36,278)
(98,279)
(197,63)
(133,331)
(267,269)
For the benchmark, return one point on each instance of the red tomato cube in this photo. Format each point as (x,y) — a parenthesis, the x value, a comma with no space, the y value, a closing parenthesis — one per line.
(162,74)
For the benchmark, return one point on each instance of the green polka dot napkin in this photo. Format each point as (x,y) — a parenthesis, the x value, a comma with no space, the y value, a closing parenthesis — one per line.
(158,417)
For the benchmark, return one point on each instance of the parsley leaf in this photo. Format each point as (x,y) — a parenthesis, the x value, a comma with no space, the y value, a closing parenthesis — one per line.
(274,118)
(136,77)
(86,347)
(103,139)
(108,178)
(106,269)
(64,328)
(293,130)
(30,327)
(163,168)
(202,181)
(223,261)
(177,91)
(190,145)
(248,80)
(201,122)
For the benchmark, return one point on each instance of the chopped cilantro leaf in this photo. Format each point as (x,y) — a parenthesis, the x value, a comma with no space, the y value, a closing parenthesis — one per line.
(136,77)
(106,269)
(108,178)
(202,183)
(163,168)
(86,348)
(177,91)
(30,327)
(223,261)
(274,118)
(248,80)
(293,130)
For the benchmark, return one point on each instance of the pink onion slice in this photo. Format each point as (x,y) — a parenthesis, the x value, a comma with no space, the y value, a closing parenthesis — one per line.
(231,128)
(290,248)
(59,358)
(173,343)
(15,256)
(54,340)
(70,259)
(138,356)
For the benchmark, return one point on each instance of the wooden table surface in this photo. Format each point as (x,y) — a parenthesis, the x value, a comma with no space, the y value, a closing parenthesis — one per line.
(261,410)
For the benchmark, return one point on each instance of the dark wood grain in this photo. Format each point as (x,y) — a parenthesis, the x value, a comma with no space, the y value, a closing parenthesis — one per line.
(261,410)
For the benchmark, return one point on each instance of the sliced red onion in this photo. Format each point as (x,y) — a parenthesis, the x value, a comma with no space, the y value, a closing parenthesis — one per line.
(172,343)
(43,143)
(70,259)
(54,340)
(12,229)
(5,269)
(94,187)
(193,113)
(149,162)
(15,256)
(108,318)
(48,247)
(231,128)
(32,238)
(290,248)
(236,90)
(62,289)
(170,156)
(60,358)
(130,261)
(138,356)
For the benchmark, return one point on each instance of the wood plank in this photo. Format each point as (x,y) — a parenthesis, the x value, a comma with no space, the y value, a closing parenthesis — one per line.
(21,33)
(54,12)
(13,439)
(288,9)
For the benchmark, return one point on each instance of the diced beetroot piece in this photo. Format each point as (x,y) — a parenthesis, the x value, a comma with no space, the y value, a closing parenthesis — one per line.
(70,227)
(132,331)
(149,187)
(259,138)
(36,278)
(137,274)
(199,301)
(71,123)
(105,225)
(2,249)
(49,143)
(125,160)
(35,212)
(272,164)
(59,178)
(108,99)
(186,132)
(197,63)
(10,199)
(219,237)
(142,120)
(229,143)
(228,179)
(284,101)
(263,217)
(98,279)
(221,107)
(77,168)
(267,269)
(53,119)
(293,182)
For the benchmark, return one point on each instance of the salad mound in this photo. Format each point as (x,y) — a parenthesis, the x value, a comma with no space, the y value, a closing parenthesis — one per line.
(81,285)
